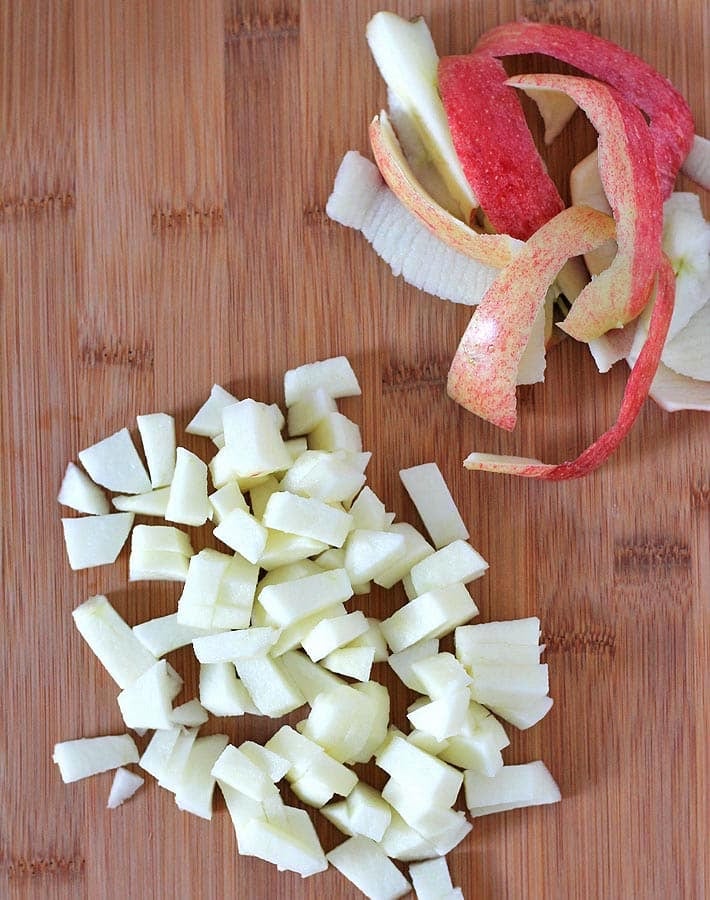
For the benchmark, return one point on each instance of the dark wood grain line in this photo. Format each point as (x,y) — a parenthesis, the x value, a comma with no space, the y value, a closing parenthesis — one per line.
(589,640)
(582,14)
(37,866)
(280,24)
(403,377)
(33,205)
(651,555)
(162,220)
(700,496)
(118,353)
(315,215)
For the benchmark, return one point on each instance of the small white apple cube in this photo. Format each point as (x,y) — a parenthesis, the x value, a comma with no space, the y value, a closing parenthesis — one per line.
(334,375)
(147,702)
(373,638)
(308,517)
(457,561)
(84,757)
(161,746)
(165,634)
(117,648)
(283,548)
(439,674)
(416,548)
(369,512)
(195,790)
(207,421)
(341,721)
(288,840)
(157,431)
(494,685)
(151,503)
(292,635)
(226,499)
(433,501)
(221,692)
(188,501)
(259,494)
(403,661)
(235,594)
(235,768)
(336,432)
(442,717)
(431,880)
(310,678)
(322,780)
(191,714)
(303,415)
(124,786)
(401,841)
(79,492)
(115,464)
(290,601)
(201,590)
(329,634)
(421,809)
(270,688)
(95,540)
(413,768)
(526,712)
(369,814)
(379,700)
(253,439)
(353,662)
(514,632)
(324,476)
(242,643)
(367,866)
(369,553)
(432,614)
(529,784)
(240,531)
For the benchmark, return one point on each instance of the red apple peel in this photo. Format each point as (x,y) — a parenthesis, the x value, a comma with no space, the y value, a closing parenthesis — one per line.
(635,393)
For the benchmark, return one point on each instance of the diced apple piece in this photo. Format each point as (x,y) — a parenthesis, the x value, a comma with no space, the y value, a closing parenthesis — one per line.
(403,662)
(125,784)
(171,771)
(367,866)
(336,812)
(421,809)
(165,634)
(442,717)
(529,784)
(440,674)
(413,768)
(95,540)
(307,517)
(236,769)
(431,880)
(368,813)
(159,552)
(160,748)
(379,701)
(373,638)
(191,714)
(221,692)
(269,686)
(152,503)
(299,750)
(526,712)
(354,662)
(336,431)
(329,634)
(228,646)
(199,595)
(432,614)
(157,431)
(495,685)
(283,547)
(427,742)
(403,842)
(79,492)
(89,756)
(241,531)
(188,502)
(457,561)
(260,493)
(253,439)
(115,464)
(274,765)
(433,501)
(305,414)
(310,678)
(325,476)
(324,778)
(477,749)
(369,553)
(341,721)
(147,702)
(242,808)
(207,421)
(290,601)
(196,788)
(368,511)
(292,635)
(290,843)
(226,499)
(335,375)
(117,648)
(407,59)
(162,537)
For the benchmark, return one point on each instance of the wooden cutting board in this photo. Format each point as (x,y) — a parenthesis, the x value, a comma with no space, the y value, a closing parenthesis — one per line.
(165,168)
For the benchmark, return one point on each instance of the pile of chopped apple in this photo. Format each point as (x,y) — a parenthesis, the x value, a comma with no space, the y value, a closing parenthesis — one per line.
(460,203)
(275,610)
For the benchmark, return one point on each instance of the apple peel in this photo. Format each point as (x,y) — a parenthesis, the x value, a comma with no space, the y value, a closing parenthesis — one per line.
(637,388)
(484,370)
(628,174)
(491,249)
(494,145)
(671,121)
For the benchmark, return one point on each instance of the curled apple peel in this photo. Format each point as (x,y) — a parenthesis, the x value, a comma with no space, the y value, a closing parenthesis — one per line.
(637,388)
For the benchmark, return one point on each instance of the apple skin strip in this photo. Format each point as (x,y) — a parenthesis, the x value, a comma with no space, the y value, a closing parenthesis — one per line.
(491,249)
(628,174)
(671,121)
(483,373)
(494,145)
(637,388)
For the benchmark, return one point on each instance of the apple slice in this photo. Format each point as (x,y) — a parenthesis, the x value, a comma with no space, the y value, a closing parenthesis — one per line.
(407,59)
(671,122)
(637,388)
(628,175)
(495,146)
(483,373)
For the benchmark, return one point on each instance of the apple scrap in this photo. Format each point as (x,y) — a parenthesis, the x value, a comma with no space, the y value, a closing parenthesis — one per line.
(298,534)
(461,205)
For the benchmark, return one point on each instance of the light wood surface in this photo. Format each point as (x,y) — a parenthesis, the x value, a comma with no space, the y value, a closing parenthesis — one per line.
(164,172)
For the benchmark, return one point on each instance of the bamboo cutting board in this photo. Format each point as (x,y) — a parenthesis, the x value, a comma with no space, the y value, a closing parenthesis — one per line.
(165,167)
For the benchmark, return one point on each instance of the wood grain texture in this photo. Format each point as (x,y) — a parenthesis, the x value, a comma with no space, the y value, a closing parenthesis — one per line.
(163,179)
